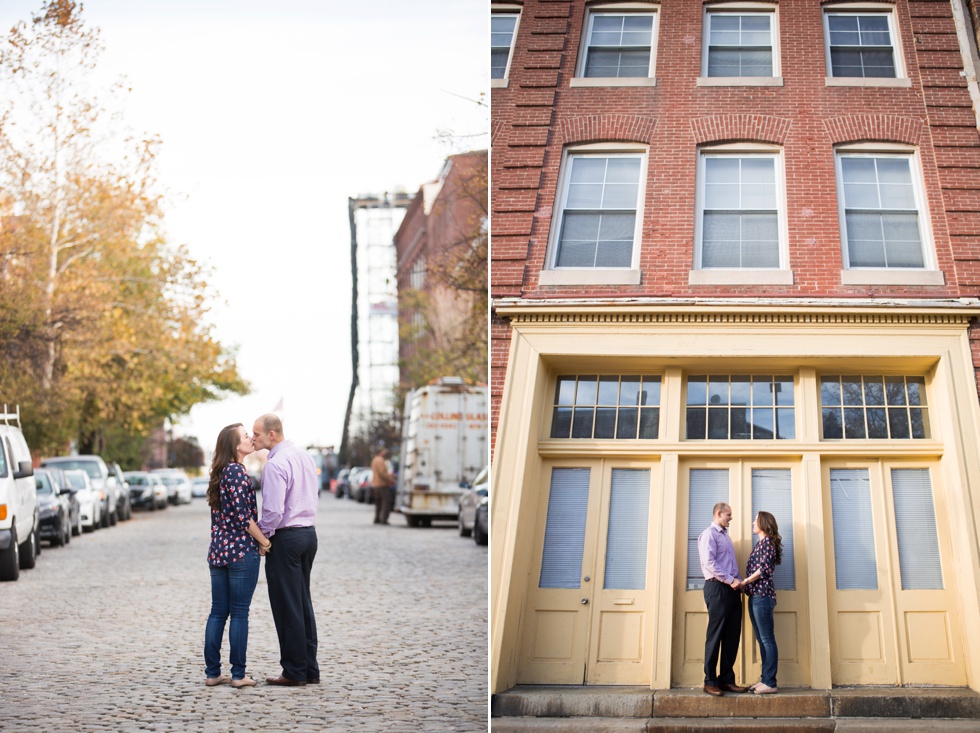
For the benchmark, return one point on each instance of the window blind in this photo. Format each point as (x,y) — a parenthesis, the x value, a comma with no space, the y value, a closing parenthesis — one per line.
(854,541)
(626,539)
(915,526)
(564,534)
(708,486)
(772,491)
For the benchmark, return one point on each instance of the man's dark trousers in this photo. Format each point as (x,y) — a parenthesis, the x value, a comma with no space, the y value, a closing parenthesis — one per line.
(382,504)
(287,572)
(724,631)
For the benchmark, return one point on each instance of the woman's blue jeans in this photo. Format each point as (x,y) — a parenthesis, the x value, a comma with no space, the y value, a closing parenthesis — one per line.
(760,612)
(232,587)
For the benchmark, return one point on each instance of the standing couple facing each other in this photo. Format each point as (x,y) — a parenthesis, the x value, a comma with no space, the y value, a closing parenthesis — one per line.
(285,536)
(723,587)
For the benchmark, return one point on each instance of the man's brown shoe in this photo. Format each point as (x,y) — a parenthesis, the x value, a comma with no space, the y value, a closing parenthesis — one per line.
(734,688)
(713,690)
(285,681)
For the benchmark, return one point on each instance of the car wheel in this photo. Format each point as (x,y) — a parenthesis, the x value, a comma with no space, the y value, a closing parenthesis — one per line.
(68,530)
(412,520)
(10,558)
(59,541)
(29,551)
(479,536)
(340,492)
(113,518)
(463,532)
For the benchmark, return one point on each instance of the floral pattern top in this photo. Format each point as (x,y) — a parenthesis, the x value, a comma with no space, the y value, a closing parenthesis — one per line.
(230,539)
(763,558)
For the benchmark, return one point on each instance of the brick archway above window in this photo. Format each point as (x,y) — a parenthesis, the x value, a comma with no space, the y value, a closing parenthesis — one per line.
(879,128)
(729,128)
(607,128)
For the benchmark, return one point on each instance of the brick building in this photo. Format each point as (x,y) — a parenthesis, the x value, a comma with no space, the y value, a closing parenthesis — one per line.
(441,271)
(735,256)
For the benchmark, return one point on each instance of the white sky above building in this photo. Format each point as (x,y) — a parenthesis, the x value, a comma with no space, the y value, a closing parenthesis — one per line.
(271,115)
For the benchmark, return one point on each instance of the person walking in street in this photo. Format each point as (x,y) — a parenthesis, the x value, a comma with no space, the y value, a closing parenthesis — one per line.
(381,483)
(765,556)
(233,556)
(290,493)
(722,582)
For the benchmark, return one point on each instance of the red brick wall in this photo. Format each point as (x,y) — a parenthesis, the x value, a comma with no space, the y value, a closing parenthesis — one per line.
(538,113)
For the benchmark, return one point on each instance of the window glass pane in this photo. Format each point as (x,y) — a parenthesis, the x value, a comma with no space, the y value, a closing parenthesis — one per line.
(651,391)
(762,390)
(629,391)
(895,389)
(626,425)
(605,422)
(851,390)
(920,425)
(874,391)
(916,391)
(565,391)
(915,528)
(877,423)
(586,390)
(626,539)
(830,391)
(898,422)
(762,423)
(833,426)
(785,424)
(564,535)
(740,427)
(608,390)
(697,390)
(854,545)
(718,391)
(854,423)
(582,422)
(561,423)
(717,423)
(708,486)
(783,387)
(649,423)
(772,491)
(741,390)
(696,423)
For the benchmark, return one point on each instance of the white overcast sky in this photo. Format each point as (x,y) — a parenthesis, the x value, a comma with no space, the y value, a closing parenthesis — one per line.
(272,113)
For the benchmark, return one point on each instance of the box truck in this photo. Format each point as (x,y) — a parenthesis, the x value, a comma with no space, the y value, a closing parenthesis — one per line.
(444,444)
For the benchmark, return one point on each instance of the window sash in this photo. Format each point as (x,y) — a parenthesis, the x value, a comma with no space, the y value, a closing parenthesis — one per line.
(607,406)
(856,566)
(620,45)
(740,407)
(626,537)
(772,491)
(564,536)
(861,45)
(736,49)
(915,528)
(598,221)
(502,27)
(873,407)
(707,487)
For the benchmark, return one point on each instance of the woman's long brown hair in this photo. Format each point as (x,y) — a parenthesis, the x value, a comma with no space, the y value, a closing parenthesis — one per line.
(767,523)
(225,452)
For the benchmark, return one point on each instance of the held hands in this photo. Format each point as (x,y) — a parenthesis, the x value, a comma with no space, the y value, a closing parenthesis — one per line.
(736,584)
(266,548)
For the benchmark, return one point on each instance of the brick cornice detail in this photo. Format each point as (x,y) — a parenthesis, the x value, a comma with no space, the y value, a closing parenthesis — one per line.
(878,128)
(809,319)
(729,128)
(606,128)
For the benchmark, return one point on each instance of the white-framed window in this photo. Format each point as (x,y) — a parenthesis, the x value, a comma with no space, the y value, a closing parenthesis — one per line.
(740,407)
(739,43)
(862,43)
(741,209)
(503,30)
(619,44)
(606,406)
(882,213)
(876,407)
(598,216)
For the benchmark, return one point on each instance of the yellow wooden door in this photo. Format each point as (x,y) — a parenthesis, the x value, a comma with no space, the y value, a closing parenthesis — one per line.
(892,606)
(589,619)
(748,486)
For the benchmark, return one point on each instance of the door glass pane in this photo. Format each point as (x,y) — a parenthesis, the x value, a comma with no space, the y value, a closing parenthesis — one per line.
(772,491)
(854,538)
(915,525)
(564,534)
(626,540)
(708,487)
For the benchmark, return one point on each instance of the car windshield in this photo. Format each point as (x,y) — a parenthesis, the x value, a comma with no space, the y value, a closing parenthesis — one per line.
(77,481)
(170,480)
(137,480)
(90,467)
(43,483)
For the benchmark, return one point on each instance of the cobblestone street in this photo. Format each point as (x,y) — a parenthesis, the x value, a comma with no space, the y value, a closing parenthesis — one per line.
(106,634)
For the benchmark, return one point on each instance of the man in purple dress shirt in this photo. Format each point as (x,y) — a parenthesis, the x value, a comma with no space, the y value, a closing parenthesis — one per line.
(723,598)
(290,494)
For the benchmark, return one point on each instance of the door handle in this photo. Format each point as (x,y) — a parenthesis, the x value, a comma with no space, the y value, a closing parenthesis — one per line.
(585,601)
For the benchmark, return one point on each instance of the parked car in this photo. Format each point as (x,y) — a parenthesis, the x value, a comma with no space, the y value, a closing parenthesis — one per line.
(341,486)
(470,499)
(123,507)
(90,504)
(102,483)
(199,486)
(177,483)
(58,478)
(19,543)
(481,525)
(53,509)
(360,484)
(146,491)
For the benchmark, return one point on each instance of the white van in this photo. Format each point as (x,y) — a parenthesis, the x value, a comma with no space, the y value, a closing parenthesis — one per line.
(19,542)
(444,444)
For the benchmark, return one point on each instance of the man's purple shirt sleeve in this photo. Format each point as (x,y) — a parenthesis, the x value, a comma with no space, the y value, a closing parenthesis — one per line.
(717,555)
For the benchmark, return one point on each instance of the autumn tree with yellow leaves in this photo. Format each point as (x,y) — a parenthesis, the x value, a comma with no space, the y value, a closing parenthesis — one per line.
(103,323)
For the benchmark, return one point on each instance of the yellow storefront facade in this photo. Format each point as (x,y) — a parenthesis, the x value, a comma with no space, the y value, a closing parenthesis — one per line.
(855,423)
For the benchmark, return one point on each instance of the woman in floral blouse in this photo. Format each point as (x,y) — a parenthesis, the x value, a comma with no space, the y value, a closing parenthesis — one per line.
(233,556)
(766,555)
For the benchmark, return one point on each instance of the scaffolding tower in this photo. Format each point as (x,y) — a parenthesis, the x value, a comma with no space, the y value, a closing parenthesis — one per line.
(374,219)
